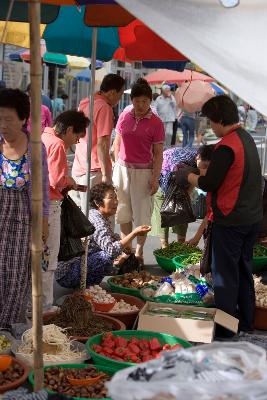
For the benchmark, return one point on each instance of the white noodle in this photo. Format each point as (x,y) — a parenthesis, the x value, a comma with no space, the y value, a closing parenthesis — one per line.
(52,335)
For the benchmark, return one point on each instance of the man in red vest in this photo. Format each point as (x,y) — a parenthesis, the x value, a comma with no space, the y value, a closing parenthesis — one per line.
(234,183)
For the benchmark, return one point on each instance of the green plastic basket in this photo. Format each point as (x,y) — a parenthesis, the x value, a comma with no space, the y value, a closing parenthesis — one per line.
(108,370)
(191,299)
(165,263)
(118,365)
(120,289)
(260,263)
(178,261)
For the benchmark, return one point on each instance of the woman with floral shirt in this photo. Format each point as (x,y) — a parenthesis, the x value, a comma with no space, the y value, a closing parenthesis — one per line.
(15,200)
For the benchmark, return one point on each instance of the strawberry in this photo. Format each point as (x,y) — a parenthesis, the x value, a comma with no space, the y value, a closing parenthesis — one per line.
(166,347)
(120,351)
(154,344)
(120,341)
(107,350)
(176,346)
(134,348)
(144,344)
(97,348)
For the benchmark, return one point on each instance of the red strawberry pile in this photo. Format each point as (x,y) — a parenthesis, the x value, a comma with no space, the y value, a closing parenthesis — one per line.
(133,350)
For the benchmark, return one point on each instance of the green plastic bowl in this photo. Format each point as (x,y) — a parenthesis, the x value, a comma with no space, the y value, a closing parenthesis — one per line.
(178,261)
(120,289)
(260,263)
(108,370)
(191,299)
(165,263)
(148,335)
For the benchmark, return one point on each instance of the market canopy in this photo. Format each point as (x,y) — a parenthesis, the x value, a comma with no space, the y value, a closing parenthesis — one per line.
(167,75)
(227,43)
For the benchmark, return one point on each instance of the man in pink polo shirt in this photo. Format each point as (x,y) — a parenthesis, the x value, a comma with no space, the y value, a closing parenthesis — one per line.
(111,90)
(138,150)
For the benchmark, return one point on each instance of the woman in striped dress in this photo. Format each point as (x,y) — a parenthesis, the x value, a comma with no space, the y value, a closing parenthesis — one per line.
(15,200)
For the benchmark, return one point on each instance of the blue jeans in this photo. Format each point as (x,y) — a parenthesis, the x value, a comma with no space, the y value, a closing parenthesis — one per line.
(188,126)
(99,264)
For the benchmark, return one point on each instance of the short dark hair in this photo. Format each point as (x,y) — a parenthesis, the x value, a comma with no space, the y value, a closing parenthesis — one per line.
(16,99)
(98,192)
(112,82)
(76,119)
(221,109)
(205,152)
(141,88)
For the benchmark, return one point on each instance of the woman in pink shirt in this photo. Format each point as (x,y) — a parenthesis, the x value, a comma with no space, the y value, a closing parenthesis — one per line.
(138,150)
(69,127)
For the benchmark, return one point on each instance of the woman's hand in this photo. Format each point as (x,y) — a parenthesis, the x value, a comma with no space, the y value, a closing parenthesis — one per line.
(45,229)
(153,186)
(72,185)
(142,230)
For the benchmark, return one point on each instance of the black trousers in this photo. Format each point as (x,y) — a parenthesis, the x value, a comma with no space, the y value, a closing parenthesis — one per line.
(232,252)
(174,131)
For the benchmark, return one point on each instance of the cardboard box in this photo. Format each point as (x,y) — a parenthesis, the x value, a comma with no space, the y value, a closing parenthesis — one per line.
(193,330)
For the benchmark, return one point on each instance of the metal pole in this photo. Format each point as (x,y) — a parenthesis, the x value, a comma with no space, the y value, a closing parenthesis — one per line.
(264,153)
(89,147)
(45,83)
(91,115)
(55,89)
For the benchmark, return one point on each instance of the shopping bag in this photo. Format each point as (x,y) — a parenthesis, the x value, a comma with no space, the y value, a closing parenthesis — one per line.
(75,223)
(205,262)
(69,247)
(176,208)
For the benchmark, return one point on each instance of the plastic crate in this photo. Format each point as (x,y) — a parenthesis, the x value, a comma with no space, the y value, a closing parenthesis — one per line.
(118,365)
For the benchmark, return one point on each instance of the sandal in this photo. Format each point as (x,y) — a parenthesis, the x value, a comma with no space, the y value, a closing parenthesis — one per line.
(120,260)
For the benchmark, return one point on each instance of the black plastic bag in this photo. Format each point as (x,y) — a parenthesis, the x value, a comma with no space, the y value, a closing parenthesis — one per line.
(75,223)
(176,208)
(205,262)
(69,247)
(131,264)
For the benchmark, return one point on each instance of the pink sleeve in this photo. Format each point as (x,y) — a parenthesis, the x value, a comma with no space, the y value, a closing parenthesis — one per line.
(58,168)
(104,121)
(159,133)
(49,120)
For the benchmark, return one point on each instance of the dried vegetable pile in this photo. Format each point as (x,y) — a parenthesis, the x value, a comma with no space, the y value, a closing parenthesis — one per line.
(77,317)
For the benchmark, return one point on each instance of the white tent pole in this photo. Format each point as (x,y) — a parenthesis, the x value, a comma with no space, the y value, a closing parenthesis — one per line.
(264,153)
(91,114)
(89,147)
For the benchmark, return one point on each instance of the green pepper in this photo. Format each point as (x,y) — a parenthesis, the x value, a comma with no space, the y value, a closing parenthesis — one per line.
(175,249)
(258,251)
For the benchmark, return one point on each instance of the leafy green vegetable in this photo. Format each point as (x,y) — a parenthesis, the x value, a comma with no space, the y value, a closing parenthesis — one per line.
(175,249)
(258,251)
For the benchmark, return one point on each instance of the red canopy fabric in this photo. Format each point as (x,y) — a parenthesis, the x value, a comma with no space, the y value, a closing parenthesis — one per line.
(140,43)
(167,75)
